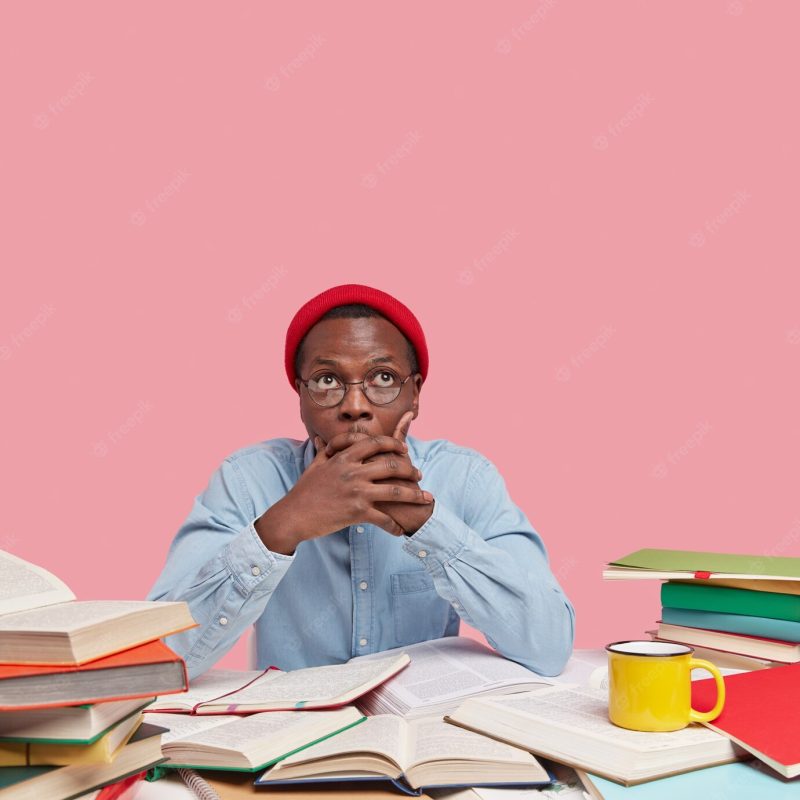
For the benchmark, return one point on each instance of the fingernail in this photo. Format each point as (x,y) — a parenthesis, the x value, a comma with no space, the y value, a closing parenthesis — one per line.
(419,474)
(405,447)
(428,496)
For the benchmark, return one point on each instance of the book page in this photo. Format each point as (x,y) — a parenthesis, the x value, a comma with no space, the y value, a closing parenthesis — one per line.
(183,726)
(453,667)
(277,727)
(585,711)
(311,684)
(24,585)
(207,686)
(72,617)
(383,734)
(432,739)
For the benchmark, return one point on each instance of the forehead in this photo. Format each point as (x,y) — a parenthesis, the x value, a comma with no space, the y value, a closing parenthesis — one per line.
(354,342)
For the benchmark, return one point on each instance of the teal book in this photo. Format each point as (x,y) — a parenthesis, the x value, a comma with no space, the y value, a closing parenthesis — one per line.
(733,623)
(749,780)
(701,597)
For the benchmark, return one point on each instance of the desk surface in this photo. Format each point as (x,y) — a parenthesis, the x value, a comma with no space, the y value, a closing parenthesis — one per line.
(238,787)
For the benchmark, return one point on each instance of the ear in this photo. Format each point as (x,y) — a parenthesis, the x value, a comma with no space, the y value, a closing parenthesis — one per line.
(415,398)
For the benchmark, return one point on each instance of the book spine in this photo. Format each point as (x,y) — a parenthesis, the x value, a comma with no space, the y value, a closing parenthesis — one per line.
(747,602)
(733,623)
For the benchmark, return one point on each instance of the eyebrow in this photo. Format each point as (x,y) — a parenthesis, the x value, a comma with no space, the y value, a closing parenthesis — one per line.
(332,363)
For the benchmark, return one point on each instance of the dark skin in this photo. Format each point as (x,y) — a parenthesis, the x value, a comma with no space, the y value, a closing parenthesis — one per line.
(362,471)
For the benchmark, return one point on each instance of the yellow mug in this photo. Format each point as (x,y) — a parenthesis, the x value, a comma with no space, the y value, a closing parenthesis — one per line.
(649,686)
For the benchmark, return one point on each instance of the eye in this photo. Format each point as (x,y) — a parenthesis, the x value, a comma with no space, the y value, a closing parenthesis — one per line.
(383,379)
(327,380)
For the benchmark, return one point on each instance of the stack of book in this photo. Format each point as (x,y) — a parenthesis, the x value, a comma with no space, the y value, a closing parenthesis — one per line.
(75,677)
(738,611)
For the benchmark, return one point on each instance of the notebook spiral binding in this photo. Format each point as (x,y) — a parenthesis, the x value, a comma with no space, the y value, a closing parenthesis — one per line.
(199,786)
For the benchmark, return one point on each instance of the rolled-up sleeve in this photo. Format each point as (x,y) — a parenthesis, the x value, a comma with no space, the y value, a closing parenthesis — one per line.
(492,566)
(218,564)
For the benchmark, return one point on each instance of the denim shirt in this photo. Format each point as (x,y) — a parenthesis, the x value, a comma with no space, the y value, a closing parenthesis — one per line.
(360,589)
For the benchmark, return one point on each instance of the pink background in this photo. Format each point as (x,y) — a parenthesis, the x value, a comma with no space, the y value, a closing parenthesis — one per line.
(591,208)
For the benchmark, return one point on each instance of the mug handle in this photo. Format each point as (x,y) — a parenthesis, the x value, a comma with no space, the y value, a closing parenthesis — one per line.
(707,716)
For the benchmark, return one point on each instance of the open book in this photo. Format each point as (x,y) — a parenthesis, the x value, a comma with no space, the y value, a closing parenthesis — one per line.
(247,743)
(443,673)
(571,725)
(421,753)
(41,622)
(329,686)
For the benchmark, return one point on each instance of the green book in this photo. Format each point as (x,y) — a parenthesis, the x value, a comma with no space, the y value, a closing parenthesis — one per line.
(685,564)
(701,597)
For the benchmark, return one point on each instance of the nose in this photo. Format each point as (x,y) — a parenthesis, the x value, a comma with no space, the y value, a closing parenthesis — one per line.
(355,405)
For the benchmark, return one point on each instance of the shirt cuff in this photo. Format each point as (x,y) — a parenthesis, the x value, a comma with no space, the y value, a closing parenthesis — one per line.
(440,539)
(252,565)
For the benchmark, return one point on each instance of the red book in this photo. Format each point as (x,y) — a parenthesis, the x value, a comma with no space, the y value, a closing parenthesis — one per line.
(143,671)
(122,790)
(761,713)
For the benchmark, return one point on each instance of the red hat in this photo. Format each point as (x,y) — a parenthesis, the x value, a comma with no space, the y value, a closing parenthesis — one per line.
(347,293)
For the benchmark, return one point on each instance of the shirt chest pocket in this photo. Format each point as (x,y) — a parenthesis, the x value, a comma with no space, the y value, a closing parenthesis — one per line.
(419,613)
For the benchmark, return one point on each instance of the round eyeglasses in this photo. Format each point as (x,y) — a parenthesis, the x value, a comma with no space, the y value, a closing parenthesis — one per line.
(381,386)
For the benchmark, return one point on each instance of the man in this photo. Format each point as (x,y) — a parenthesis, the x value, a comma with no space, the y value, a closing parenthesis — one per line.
(361,538)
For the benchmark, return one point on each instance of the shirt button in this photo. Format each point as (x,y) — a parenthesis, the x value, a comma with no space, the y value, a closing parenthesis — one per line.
(456,606)
(359,529)
(223,620)
(256,571)
(422,553)
(362,642)
(363,586)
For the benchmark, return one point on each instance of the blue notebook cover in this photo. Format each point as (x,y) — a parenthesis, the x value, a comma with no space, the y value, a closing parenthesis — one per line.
(398,783)
(740,781)
(733,623)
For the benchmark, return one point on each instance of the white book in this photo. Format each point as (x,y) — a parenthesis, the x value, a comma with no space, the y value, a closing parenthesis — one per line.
(41,622)
(328,686)
(69,724)
(571,725)
(444,672)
